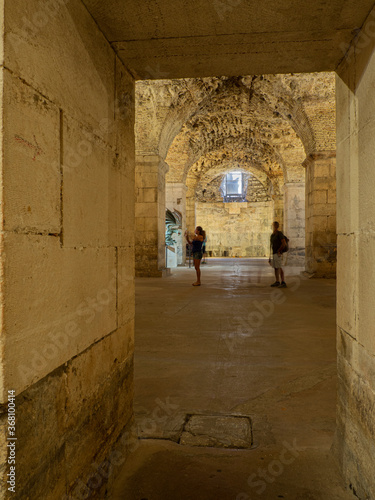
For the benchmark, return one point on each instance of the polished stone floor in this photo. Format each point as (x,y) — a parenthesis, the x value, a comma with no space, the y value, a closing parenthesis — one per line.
(234,347)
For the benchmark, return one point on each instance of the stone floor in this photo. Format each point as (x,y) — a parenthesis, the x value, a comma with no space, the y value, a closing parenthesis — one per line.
(234,346)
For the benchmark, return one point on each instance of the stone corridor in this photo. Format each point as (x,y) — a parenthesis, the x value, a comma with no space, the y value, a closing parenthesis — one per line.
(234,346)
(123,124)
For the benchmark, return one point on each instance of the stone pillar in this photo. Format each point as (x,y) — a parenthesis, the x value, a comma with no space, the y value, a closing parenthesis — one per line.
(176,200)
(150,215)
(278,209)
(190,209)
(321,245)
(355,435)
(294,221)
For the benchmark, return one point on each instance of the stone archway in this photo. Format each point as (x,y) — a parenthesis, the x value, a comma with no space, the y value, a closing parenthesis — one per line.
(68,117)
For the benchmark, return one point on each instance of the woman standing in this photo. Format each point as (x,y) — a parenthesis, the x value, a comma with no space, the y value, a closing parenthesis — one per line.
(197,243)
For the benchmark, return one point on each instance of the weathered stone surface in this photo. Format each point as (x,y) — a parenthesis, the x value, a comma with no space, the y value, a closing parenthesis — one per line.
(68,422)
(236,229)
(150,204)
(126,285)
(217,431)
(157,41)
(77,75)
(87,209)
(156,426)
(58,302)
(321,244)
(32,150)
(68,171)
(355,437)
(294,222)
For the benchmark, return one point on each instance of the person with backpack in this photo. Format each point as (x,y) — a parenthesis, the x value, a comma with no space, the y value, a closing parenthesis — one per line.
(279,245)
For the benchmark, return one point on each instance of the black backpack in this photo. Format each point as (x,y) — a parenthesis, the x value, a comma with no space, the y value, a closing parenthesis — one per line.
(286,248)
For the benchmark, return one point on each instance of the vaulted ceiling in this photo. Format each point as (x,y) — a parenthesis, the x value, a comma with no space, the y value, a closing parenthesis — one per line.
(265,125)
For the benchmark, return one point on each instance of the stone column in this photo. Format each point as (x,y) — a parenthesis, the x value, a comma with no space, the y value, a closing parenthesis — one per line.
(176,200)
(190,210)
(321,246)
(150,215)
(294,221)
(278,208)
(355,434)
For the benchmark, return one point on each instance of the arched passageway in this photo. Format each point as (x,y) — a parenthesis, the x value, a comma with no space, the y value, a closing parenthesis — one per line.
(271,125)
(73,210)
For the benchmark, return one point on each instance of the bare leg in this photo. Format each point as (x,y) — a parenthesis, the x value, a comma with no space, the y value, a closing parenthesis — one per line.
(197,264)
(282,274)
(277,274)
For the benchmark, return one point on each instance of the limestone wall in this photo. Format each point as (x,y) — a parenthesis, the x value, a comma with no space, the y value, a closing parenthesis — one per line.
(240,229)
(355,439)
(150,215)
(294,221)
(67,245)
(321,241)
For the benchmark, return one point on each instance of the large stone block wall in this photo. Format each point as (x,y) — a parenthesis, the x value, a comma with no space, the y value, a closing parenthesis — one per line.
(321,241)
(67,246)
(294,221)
(239,229)
(150,215)
(355,437)
(278,208)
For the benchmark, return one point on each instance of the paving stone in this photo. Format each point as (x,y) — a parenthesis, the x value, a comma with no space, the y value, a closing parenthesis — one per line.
(217,431)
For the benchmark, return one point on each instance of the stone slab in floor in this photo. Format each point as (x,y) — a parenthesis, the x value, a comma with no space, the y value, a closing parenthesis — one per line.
(217,431)
(164,427)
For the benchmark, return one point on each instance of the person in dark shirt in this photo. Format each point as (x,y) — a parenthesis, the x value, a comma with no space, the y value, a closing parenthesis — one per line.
(197,242)
(278,243)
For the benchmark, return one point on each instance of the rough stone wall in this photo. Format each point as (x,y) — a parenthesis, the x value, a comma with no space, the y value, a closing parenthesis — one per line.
(355,439)
(294,221)
(236,229)
(321,240)
(67,246)
(278,208)
(150,215)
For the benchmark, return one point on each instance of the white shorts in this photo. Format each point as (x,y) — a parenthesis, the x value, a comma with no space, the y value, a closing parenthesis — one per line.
(277,261)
